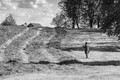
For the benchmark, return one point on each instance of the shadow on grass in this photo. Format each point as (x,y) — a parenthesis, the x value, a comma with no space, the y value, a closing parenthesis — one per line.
(73,49)
(40,62)
(96,63)
(100,48)
(66,62)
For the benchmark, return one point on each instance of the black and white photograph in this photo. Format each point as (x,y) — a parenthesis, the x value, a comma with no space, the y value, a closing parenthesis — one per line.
(59,39)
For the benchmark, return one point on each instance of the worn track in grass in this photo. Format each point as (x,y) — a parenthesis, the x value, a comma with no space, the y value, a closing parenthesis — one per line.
(7,43)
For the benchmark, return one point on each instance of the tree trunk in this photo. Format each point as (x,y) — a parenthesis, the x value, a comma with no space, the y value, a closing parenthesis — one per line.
(98,24)
(73,24)
(91,23)
(77,24)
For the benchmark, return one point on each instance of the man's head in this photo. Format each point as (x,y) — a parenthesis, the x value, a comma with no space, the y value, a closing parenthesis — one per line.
(85,42)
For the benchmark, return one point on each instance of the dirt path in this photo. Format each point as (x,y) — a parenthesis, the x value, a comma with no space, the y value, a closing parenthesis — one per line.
(2,47)
(13,50)
(22,51)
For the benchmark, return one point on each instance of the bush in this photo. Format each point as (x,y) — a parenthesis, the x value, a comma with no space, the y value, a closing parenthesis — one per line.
(9,21)
(54,45)
(60,31)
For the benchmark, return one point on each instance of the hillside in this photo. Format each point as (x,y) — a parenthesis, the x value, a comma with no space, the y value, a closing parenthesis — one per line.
(93,36)
(33,52)
(7,32)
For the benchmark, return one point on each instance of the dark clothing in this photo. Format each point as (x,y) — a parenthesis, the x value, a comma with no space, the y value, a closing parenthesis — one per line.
(86,49)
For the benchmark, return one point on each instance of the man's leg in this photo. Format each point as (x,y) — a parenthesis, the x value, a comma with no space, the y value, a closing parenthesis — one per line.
(86,55)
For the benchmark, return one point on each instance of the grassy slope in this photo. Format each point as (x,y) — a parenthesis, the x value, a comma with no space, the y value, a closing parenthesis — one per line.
(12,51)
(74,70)
(7,32)
(102,46)
(93,37)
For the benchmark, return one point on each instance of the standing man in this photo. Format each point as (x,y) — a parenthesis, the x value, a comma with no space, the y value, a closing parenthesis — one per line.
(86,49)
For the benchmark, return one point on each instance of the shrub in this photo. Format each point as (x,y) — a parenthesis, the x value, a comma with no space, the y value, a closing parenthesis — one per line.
(54,45)
(60,31)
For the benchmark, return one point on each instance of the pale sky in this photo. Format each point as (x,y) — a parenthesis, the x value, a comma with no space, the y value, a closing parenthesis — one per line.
(35,11)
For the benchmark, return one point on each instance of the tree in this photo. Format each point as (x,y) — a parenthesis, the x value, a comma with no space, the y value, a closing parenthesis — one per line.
(111,17)
(91,12)
(9,21)
(59,20)
(87,10)
(71,8)
(98,15)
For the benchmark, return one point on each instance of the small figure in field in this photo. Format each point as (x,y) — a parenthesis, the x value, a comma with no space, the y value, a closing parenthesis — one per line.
(86,49)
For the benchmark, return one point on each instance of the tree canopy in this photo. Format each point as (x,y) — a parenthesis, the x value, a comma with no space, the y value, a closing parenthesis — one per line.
(71,8)
(103,13)
(111,17)
(59,20)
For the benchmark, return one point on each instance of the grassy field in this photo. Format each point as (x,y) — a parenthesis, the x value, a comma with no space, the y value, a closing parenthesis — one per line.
(7,32)
(46,62)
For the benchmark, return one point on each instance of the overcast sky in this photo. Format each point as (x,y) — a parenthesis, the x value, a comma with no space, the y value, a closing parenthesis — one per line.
(36,11)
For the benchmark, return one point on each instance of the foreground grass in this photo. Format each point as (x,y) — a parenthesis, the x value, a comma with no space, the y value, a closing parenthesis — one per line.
(70,71)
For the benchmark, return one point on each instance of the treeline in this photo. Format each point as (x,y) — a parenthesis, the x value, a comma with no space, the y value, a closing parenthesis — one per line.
(103,13)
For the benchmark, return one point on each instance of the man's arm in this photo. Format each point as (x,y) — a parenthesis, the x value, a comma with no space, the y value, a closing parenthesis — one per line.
(83,46)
